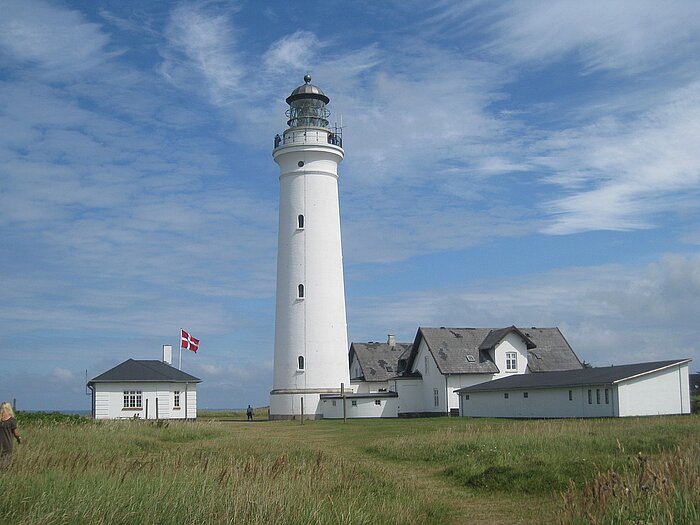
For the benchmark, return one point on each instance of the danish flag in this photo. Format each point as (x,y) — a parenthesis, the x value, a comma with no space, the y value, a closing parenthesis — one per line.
(188,342)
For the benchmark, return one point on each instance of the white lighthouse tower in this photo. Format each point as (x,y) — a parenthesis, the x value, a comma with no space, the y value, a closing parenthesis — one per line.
(311,342)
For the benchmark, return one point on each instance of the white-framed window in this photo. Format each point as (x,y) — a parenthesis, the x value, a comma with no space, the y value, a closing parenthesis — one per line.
(505,395)
(511,361)
(132,398)
(377,401)
(436,397)
(354,402)
(300,222)
(176,399)
(300,362)
(427,369)
(300,291)
(466,397)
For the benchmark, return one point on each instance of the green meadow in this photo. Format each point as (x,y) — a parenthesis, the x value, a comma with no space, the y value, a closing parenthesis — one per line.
(222,469)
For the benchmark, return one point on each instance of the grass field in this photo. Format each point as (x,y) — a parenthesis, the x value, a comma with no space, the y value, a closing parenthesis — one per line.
(223,469)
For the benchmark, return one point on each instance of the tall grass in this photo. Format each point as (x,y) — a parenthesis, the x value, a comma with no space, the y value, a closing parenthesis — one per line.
(138,472)
(442,470)
(661,490)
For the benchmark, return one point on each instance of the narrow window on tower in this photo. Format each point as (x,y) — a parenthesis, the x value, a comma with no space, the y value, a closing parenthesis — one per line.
(301,291)
(300,360)
(300,222)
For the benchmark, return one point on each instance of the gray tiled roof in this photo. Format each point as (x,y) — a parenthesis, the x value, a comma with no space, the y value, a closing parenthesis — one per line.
(133,370)
(584,376)
(463,350)
(378,361)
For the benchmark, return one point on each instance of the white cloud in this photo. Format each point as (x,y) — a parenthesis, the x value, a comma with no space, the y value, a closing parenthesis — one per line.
(610,314)
(621,173)
(202,52)
(60,41)
(623,36)
(292,53)
(63,374)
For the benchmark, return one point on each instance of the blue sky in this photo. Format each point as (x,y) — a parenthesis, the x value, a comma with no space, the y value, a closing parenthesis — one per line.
(529,163)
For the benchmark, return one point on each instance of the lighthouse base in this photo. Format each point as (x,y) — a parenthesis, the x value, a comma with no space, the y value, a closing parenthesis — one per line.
(298,403)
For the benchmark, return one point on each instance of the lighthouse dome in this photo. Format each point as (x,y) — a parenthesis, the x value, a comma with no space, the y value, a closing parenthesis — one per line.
(307,90)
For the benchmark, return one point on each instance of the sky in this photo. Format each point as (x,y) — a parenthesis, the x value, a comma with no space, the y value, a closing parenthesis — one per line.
(528,163)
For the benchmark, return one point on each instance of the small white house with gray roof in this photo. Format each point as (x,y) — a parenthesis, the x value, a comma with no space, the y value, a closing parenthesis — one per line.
(640,389)
(373,364)
(144,389)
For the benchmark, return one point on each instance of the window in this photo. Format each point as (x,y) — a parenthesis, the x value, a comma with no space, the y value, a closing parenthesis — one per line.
(357,372)
(590,397)
(132,398)
(471,358)
(176,399)
(466,397)
(436,397)
(300,362)
(607,397)
(389,368)
(505,395)
(427,370)
(511,362)
(301,291)
(377,401)
(571,395)
(300,222)
(525,394)
(597,395)
(333,402)
(354,402)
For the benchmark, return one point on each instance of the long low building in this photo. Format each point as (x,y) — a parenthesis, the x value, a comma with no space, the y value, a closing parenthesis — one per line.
(641,389)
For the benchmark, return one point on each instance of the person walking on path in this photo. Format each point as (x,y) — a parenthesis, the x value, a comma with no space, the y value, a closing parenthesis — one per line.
(8,430)
(249,413)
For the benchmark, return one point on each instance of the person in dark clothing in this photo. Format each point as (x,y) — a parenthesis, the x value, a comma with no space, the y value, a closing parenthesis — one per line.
(8,430)
(249,413)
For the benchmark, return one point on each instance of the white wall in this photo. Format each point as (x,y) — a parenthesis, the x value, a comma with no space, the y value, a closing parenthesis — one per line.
(355,368)
(457,381)
(540,403)
(363,408)
(510,343)
(109,400)
(410,395)
(432,379)
(662,392)
(364,387)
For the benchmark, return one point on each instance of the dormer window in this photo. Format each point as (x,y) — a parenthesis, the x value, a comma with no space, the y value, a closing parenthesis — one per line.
(511,362)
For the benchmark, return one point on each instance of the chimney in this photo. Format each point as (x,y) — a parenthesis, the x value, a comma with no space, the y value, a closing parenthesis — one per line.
(168,354)
(391,340)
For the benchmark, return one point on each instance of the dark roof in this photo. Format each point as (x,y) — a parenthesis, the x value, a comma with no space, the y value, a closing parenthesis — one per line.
(465,350)
(133,370)
(496,336)
(378,361)
(585,376)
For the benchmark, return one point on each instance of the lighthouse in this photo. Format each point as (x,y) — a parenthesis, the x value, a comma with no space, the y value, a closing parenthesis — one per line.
(310,324)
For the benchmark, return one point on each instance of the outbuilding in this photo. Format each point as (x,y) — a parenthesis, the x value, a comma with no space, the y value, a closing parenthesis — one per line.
(641,389)
(144,389)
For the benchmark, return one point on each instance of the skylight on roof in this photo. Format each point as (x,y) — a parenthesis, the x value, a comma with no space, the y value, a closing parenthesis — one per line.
(471,358)
(389,368)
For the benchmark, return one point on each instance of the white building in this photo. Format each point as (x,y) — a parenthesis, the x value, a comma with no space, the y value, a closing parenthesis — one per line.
(443,360)
(642,389)
(144,389)
(310,356)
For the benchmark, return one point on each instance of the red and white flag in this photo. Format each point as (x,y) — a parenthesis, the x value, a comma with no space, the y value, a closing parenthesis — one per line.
(188,342)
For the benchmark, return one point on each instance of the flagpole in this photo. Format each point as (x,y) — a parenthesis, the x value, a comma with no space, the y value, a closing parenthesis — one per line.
(180,365)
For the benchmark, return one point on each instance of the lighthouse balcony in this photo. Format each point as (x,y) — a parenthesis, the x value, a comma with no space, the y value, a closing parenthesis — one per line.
(309,136)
